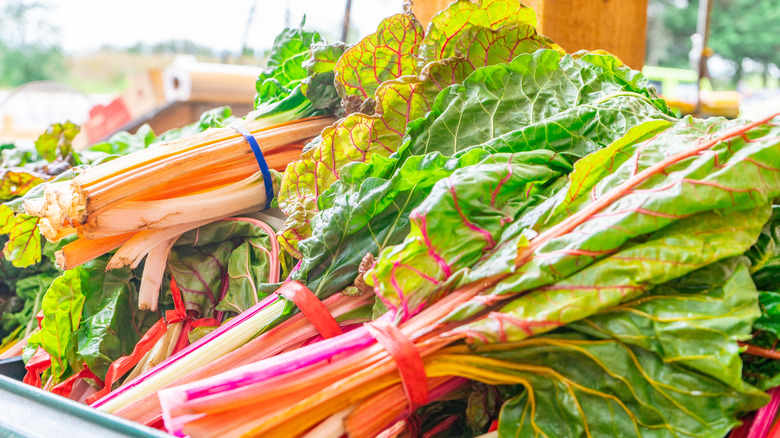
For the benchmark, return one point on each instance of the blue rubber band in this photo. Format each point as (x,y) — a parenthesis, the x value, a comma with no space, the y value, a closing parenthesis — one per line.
(267,179)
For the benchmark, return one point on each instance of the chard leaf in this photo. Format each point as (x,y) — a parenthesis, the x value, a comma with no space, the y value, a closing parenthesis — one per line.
(214,118)
(57,141)
(498,99)
(112,324)
(285,69)
(218,266)
(762,371)
(23,247)
(694,322)
(123,142)
(738,168)
(389,53)
(364,215)
(248,267)
(770,313)
(446,26)
(62,306)
(669,253)
(15,182)
(582,387)
(765,254)
(472,205)
(319,86)
(357,210)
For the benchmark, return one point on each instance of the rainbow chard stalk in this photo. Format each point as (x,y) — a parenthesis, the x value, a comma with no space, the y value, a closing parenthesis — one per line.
(654,206)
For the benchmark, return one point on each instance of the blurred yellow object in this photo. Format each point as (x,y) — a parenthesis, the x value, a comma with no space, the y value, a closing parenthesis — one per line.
(678,88)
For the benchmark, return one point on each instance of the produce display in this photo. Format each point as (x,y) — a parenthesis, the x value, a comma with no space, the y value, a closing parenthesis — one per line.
(483,235)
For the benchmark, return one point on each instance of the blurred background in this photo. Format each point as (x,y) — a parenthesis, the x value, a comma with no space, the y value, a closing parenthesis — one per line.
(116,65)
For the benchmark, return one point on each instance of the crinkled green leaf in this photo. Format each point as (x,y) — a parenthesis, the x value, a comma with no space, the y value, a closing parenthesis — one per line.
(388,53)
(581,387)
(285,68)
(12,155)
(496,100)
(473,205)
(761,371)
(62,306)
(23,247)
(739,172)
(695,321)
(446,26)
(354,138)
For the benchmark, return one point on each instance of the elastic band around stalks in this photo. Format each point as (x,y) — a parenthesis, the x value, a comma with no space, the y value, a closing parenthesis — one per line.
(407,359)
(311,307)
(267,179)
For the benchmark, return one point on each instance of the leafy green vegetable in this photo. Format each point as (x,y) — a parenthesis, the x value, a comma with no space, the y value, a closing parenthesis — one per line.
(496,100)
(578,387)
(765,254)
(23,247)
(214,118)
(111,322)
(473,205)
(407,93)
(319,86)
(386,54)
(447,25)
(30,290)
(218,266)
(62,306)
(647,367)
(285,68)
(57,141)
(123,143)
(694,321)
(671,190)
(364,215)
(16,182)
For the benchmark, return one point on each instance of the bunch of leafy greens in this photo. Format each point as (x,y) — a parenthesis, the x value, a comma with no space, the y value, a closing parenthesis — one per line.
(30,282)
(90,317)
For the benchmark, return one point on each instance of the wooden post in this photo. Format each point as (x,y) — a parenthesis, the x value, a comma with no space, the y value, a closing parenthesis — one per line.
(617,26)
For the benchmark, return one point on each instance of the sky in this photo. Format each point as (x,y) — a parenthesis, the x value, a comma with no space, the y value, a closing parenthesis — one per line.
(84,25)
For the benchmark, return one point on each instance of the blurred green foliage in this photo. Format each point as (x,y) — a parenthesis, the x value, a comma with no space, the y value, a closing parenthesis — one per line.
(27,55)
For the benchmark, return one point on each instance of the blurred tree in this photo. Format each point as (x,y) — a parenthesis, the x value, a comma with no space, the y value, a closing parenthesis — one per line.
(28,45)
(739,29)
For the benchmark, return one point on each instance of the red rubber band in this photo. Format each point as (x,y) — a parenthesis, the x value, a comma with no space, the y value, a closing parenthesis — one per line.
(407,359)
(311,307)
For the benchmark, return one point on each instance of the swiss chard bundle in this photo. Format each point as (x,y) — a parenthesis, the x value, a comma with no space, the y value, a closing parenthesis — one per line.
(659,203)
